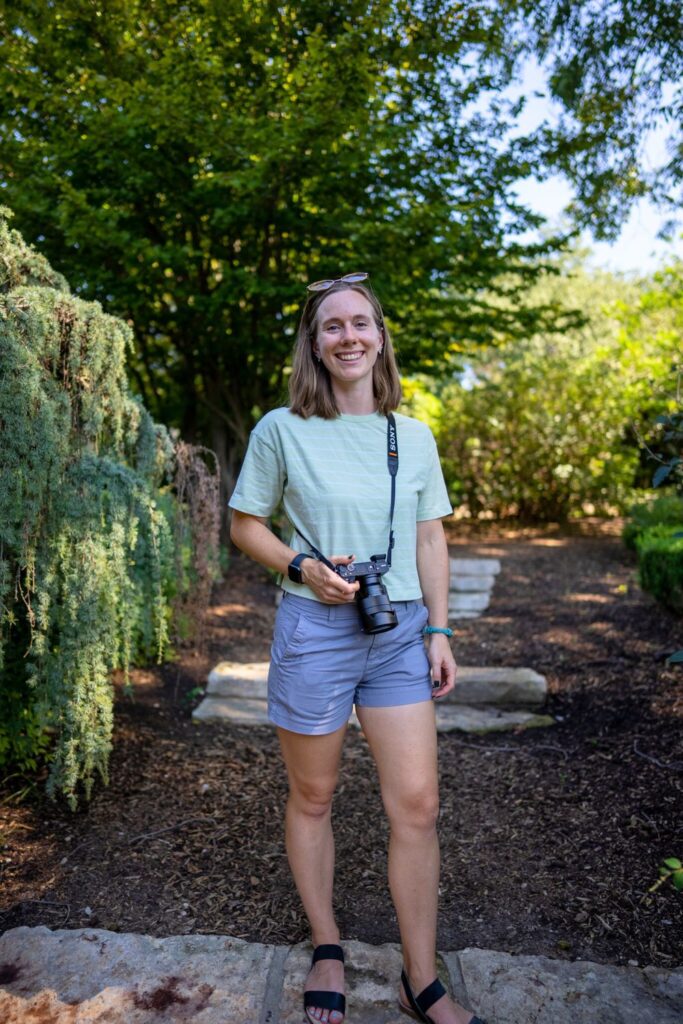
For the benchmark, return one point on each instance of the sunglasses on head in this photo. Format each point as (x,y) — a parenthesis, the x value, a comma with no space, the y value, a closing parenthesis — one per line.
(322,286)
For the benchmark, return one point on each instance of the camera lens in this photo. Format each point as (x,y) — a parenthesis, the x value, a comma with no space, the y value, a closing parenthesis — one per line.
(376,612)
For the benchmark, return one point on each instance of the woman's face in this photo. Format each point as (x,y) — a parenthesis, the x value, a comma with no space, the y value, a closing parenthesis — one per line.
(347,339)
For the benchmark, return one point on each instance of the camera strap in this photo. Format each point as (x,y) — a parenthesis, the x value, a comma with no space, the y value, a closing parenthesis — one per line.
(392,463)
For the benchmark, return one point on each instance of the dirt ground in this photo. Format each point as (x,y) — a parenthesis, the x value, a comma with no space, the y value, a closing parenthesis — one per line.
(550,838)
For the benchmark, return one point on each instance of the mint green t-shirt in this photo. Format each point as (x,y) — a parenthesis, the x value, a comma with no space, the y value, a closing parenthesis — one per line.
(334,483)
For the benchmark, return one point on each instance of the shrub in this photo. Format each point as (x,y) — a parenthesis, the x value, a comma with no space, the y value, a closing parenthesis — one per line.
(85,551)
(542,428)
(666,509)
(660,563)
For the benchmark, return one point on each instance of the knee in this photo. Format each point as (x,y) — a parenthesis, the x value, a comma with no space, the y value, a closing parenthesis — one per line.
(312,798)
(417,810)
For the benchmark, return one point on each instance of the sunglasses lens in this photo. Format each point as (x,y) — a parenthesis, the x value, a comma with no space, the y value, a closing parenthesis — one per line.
(320,286)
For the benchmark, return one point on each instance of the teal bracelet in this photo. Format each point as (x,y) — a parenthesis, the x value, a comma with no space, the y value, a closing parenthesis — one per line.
(438,629)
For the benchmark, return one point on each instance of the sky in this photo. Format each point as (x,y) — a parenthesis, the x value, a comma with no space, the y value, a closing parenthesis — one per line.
(637,250)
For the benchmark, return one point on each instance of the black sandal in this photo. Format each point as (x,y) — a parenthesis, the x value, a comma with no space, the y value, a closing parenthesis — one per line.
(325,1000)
(427,997)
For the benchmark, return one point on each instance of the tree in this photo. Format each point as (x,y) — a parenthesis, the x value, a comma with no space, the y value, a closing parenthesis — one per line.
(85,549)
(193,165)
(545,425)
(616,66)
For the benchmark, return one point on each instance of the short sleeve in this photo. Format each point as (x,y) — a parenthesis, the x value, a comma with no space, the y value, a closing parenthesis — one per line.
(433,501)
(259,487)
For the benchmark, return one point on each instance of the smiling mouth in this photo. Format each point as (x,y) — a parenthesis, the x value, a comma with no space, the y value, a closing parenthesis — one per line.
(349,357)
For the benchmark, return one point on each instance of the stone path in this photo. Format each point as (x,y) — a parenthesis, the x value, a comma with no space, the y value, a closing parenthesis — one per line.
(472,581)
(90,975)
(485,699)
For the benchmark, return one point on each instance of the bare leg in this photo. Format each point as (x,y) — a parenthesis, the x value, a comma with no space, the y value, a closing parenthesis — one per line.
(312,767)
(403,744)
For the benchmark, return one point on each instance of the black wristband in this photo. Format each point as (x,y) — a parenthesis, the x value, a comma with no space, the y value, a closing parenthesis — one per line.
(294,568)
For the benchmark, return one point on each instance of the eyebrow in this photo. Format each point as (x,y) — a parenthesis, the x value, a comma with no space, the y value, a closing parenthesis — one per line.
(357,316)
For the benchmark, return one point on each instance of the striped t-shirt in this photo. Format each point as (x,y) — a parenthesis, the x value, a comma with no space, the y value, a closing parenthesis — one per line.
(334,483)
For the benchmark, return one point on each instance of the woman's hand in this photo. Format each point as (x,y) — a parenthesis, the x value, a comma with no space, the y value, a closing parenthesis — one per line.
(443,664)
(325,584)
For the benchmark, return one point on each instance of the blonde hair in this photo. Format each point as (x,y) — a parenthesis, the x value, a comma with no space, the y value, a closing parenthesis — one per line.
(310,387)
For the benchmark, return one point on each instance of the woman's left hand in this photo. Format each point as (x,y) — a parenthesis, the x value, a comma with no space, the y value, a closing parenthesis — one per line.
(443,664)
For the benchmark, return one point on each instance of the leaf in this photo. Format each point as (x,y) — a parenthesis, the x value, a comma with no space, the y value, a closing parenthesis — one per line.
(674,863)
(677,880)
(661,475)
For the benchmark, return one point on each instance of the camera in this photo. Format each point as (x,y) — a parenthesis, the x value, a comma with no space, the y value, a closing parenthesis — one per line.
(376,612)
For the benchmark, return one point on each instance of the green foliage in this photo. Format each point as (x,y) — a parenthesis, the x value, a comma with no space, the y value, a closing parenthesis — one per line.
(542,429)
(420,401)
(617,70)
(665,509)
(671,868)
(660,563)
(84,548)
(191,166)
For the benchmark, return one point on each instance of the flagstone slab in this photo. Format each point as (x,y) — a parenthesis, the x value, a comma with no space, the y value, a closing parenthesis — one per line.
(463,718)
(93,976)
(239,679)
(449,717)
(86,975)
(474,566)
(499,685)
(475,685)
(466,584)
(371,975)
(510,988)
(468,602)
(234,710)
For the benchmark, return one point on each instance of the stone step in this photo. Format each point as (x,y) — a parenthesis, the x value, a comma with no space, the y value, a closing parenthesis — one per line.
(449,717)
(466,584)
(476,685)
(462,718)
(74,976)
(236,710)
(474,566)
(469,602)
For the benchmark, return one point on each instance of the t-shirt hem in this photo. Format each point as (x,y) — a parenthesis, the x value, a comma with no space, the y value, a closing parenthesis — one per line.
(249,510)
(301,590)
(433,514)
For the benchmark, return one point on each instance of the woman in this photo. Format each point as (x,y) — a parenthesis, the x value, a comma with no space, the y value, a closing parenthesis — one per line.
(327,458)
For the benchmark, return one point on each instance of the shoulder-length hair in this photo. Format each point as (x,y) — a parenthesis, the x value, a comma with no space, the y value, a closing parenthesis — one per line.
(310,387)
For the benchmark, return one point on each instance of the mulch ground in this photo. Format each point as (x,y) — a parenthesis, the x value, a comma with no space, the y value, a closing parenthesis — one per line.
(551,838)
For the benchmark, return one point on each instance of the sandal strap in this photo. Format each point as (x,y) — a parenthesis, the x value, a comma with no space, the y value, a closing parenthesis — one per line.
(427,997)
(331,951)
(325,1000)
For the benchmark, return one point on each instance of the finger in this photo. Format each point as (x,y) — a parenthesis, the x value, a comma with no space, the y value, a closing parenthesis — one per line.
(341,559)
(442,690)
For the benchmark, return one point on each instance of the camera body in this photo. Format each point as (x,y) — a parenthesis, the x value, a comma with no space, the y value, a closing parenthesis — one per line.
(376,612)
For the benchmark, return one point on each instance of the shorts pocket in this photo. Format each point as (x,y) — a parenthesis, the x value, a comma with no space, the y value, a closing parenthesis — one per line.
(422,617)
(291,629)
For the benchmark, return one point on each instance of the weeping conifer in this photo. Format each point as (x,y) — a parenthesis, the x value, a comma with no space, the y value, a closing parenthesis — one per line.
(86,551)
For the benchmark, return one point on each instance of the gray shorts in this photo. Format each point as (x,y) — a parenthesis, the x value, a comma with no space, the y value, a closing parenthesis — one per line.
(322,664)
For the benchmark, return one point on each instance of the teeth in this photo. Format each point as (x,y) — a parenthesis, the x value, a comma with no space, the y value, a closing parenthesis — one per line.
(351,357)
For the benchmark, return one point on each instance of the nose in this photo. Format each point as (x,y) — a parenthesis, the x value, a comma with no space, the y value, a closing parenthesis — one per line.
(349,331)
